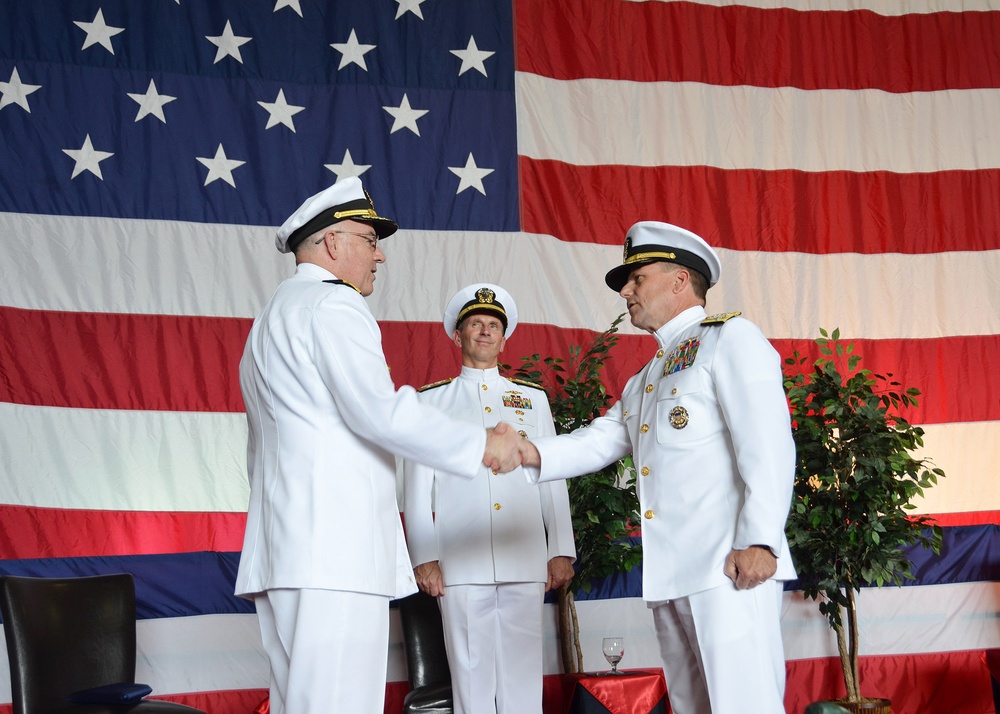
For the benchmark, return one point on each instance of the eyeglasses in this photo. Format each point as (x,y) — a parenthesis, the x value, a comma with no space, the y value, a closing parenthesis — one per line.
(371,238)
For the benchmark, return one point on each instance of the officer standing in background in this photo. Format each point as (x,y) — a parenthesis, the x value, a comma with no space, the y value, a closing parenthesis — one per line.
(707,424)
(497,542)
(323,551)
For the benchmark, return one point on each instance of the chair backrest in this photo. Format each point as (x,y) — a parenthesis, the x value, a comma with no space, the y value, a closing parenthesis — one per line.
(423,641)
(66,634)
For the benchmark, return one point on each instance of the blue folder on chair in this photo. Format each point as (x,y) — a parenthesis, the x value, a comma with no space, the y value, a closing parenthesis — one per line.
(119,693)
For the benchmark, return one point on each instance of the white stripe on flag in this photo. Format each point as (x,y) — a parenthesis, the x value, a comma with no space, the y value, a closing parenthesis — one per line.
(123,460)
(894,621)
(955,448)
(178,655)
(899,621)
(146,450)
(84,264)
(222,652)
(230,271)
(595,122)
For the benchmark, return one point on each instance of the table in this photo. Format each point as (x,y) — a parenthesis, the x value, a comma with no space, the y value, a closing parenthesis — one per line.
(635,691)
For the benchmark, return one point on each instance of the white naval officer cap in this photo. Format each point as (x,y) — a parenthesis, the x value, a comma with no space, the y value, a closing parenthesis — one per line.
(344,200)
(484,298)
(653,241)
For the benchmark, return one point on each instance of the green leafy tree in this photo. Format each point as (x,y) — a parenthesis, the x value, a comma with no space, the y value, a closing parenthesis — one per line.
(604,504)
(855,482)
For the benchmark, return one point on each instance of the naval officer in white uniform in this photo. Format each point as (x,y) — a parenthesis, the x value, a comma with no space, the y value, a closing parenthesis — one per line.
(707,423)
(324,551)
(489,547)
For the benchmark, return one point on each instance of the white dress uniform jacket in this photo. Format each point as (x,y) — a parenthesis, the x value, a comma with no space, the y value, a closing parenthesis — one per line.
(709,429)
(495,528)
(324,422)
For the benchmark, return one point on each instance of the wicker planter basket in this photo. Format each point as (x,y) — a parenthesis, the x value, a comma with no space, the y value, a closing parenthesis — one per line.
(868,705)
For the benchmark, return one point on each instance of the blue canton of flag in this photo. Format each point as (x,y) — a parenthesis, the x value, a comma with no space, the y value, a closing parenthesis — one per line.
(209,112)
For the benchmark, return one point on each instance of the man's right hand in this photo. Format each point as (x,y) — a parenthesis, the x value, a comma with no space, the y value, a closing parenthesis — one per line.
(429,578)
(502,448)
(529,454)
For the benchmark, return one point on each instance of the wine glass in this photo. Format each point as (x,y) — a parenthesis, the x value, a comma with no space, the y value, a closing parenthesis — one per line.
(614,650)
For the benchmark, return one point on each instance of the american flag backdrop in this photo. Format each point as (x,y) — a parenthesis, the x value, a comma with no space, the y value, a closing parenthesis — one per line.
(842,155)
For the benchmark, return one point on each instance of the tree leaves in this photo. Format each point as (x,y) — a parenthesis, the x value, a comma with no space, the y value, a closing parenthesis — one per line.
(604,504)
(855,478)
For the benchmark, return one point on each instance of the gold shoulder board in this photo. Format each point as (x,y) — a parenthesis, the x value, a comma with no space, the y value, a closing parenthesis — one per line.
(436,384)
(526,383)
(721,318)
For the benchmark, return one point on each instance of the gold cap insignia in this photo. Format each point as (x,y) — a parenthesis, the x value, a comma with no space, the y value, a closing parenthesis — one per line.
(485,295)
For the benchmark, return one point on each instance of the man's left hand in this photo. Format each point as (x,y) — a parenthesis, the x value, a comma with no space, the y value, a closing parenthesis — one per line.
(751,567)
(560,572)
(429,578)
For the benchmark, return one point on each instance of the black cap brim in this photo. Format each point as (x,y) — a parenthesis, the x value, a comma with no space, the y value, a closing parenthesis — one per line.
(384,227)
(360,211)
(618,276)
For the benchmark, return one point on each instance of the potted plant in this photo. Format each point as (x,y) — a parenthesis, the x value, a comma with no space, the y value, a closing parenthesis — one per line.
(855,482)
(604,504)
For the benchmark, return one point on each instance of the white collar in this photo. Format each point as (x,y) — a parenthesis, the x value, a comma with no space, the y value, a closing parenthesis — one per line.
(667,335)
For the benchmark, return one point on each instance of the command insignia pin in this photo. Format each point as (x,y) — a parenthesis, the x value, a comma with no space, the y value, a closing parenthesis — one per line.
(679,417)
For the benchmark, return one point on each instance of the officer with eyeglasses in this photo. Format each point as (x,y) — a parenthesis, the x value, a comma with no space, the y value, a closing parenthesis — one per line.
(324,551)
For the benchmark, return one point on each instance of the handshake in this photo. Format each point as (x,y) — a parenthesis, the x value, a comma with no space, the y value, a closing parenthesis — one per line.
(506,449)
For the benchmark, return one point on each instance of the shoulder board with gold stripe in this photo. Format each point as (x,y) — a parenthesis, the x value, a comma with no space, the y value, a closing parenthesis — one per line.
(721,318)
(526,383)
(436,384)
(343,282)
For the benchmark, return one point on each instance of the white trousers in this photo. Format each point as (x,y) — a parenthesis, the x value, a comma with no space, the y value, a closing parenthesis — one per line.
(493,635)
(328,650)
(722,651)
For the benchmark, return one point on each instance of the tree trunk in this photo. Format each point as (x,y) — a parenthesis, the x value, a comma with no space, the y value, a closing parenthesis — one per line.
(844,661)
(852,621)
(847,647)
(569,632)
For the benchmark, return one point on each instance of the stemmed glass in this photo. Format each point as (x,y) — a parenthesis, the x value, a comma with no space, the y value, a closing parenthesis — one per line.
(614,650)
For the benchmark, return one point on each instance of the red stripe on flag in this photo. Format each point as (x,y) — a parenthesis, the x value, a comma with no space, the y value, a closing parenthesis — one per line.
(773,211)
(736,45)
(121,361)
(418,353)
(227,701)
(951,373)
(969,518)
(27,532)
(196,369)
(935,682)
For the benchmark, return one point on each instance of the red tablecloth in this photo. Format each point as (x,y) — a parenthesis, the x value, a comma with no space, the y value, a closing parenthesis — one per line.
(635,691)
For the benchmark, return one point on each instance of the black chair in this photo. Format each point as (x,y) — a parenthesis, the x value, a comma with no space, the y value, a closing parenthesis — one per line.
(426,659)
(65,635)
